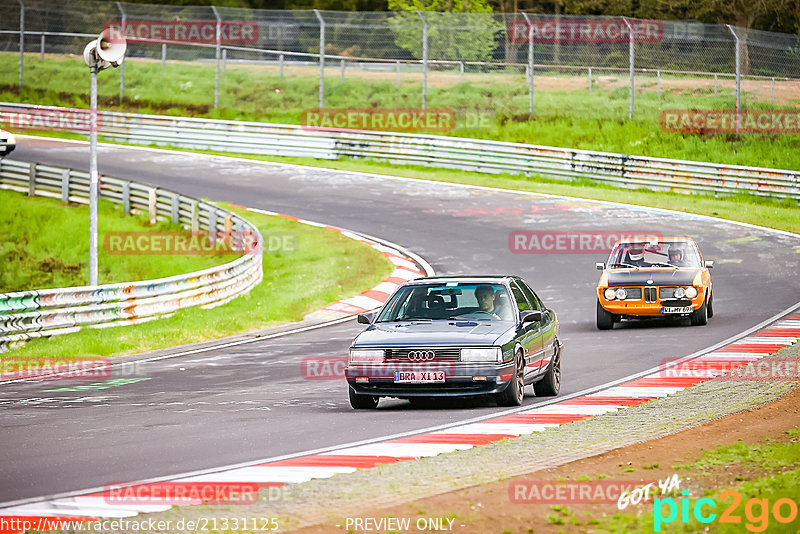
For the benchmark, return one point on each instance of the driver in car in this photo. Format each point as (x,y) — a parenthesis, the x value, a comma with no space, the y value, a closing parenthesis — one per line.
(485,296)
(676,257)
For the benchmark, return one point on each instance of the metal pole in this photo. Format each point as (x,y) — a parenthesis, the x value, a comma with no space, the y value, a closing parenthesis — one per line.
(219,55)
(164,55)
(122,67)
(590,80)
(773,91)
(21,40)
(715,85)
(530,65)
(342,70)
(630,56)
(224,59)
(397,76)
(93,182)
(321,59)
(424,60)
(41,46)
(461,70)
(280,65)
(658,83)
(738,77)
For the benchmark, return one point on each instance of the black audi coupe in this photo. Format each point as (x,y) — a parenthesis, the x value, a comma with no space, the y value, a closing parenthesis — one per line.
(456,336)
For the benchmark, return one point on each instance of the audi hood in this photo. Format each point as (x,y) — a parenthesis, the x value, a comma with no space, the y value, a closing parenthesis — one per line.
(433,333)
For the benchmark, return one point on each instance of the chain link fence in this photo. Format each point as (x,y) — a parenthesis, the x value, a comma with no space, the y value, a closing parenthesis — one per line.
(429,52)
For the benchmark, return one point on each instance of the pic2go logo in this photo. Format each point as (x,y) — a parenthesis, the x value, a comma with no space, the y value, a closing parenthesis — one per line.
(757,512)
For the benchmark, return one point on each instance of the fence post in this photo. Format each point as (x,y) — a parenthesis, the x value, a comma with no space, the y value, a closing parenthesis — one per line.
(219,55)
(32,180)
(65,186)
(424,60)
(461,70)
(163,55)
(530,65)
(122,65)
(630,59)
(658,83)
(224,59)
(321,59)
(738,77)
(280,65)
(176,204)
(41,45)
(397,76)
(21,40)
(342,71)
(773,91)
(152,198)
(126,197)
(715,85)
(590,80)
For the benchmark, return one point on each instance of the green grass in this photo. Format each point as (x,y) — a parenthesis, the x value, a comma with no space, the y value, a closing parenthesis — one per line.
(45,245)
(575,118)
(783,459)
(324,268)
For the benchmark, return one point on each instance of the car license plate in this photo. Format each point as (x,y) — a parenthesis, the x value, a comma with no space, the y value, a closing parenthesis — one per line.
(677,309)
(418,377)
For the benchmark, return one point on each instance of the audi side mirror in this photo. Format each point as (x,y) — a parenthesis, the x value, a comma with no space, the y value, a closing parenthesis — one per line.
(600,266)
(365,318)
(709,264)
(530,316)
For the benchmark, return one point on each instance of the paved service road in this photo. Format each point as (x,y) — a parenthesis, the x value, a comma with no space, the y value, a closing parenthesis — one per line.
(251,402)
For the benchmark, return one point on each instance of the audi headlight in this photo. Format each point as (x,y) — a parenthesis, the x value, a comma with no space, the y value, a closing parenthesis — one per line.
(366,356)
(691,292)
(621,294)
(610,294)
(679,293)
(489,354)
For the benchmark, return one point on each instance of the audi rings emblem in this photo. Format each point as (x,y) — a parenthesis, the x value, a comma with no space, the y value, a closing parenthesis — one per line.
(420,355)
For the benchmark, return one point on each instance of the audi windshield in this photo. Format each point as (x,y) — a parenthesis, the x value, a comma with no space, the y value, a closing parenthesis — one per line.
(468,301)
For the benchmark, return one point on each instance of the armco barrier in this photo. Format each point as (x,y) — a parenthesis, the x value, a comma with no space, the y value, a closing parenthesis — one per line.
(432,150)
(29,314)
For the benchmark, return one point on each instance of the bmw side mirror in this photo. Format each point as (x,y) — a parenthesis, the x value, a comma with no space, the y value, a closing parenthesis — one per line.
(709,264)
(365,318)
(530,316)
(600,266)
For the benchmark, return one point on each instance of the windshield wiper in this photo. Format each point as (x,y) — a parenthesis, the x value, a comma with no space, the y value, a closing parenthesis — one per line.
(624,265)
(663,264)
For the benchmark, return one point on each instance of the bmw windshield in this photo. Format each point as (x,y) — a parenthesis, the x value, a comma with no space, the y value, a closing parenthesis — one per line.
(474,301)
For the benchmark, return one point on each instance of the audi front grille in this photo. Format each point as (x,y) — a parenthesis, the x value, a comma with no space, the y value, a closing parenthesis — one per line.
(423,354)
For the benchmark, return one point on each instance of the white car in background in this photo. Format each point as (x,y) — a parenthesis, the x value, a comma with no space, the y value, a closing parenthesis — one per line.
(7,143)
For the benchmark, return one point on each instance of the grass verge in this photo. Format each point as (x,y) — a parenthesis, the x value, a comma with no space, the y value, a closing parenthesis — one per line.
(565,113)
(45,245)
(324,267)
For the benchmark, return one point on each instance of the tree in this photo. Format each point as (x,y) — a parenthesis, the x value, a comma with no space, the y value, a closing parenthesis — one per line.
(452,33)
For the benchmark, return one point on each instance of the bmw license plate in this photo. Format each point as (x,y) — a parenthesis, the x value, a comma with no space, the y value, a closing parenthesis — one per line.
(418,377)
(677,309)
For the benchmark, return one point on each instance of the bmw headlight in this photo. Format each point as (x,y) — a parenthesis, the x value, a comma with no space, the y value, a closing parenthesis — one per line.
(679,293)
(621,294)
(488,354)
(610,294)
(366,356)
(691,292)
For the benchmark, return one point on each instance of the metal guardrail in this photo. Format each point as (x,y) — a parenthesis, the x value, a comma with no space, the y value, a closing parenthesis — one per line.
(30,314)
(436,151)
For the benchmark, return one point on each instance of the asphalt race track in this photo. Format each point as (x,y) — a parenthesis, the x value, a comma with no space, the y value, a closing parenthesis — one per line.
(251,402)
